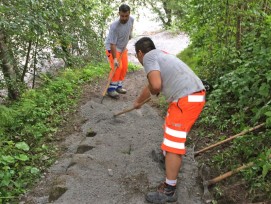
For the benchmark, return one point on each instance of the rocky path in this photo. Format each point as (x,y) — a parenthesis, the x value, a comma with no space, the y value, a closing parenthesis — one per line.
(113,160)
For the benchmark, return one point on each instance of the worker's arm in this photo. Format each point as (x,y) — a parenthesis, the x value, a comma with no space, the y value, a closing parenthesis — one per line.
(155,82)
(113,49)
(145,94)
(153,88)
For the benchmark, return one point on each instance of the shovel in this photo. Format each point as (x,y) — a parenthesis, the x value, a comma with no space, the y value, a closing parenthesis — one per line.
(130,109)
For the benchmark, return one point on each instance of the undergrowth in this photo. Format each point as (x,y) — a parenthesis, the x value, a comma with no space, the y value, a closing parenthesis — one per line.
(240,100)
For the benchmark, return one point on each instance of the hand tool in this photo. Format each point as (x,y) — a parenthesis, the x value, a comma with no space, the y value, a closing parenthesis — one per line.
(204,171)
(228,139)
(130,109)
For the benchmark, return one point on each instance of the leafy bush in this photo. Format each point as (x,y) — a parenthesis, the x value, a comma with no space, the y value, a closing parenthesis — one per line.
(231,48)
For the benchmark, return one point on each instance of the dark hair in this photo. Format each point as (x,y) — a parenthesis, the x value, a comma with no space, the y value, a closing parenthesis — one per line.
(124,8)
(144,44)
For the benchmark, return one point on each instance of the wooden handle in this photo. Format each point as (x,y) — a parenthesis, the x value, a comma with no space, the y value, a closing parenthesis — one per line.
(108,81)
(230,173)
(228,139)
(130,109)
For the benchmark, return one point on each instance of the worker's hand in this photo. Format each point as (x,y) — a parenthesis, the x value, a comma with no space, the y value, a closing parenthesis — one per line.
(116,63)
(137,105)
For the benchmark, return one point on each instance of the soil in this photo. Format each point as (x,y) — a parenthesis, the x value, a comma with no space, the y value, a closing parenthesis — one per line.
(105,159)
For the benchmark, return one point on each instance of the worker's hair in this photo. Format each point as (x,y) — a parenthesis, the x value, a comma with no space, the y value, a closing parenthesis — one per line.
(124,8)
(144,44)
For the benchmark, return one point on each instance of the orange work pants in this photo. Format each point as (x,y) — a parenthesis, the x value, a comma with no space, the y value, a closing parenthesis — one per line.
(180,118)
(123,65)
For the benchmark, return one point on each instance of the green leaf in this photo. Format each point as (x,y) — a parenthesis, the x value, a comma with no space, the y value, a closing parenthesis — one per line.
(8,159)
(268,122)
(6,181)
(34,170)
(266,168)
(268,76)
(22,157)
(22,146)
(264,89)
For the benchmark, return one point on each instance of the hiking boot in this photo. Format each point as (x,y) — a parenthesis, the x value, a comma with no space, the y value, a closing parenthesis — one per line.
(113,94)
(165,193)
(121,90)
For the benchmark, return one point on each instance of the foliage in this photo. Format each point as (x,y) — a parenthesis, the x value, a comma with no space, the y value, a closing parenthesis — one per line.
(27,126)
(230,47)
(34,33)
(188,56)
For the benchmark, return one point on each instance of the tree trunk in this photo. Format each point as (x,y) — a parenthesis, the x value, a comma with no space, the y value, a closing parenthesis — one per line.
(8,69)
(238,26)
(168,12)
(35,64)
(227,23)
(26,61)
(265,7)
(167,18)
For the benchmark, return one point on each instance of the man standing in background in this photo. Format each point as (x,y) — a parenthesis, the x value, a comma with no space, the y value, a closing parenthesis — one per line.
(120,33)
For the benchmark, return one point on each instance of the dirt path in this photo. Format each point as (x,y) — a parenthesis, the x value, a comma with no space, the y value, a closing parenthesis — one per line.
(112,160)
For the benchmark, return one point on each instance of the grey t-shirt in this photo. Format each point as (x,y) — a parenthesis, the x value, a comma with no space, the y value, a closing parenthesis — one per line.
(119,34)
(178,79)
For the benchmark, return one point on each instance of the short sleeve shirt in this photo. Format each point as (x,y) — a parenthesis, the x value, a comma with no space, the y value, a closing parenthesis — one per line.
(178,80)
(119,34)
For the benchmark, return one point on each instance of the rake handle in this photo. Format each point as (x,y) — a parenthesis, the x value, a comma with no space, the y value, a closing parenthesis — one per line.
(230,173)
(109,80)
(228,139)
(130,109)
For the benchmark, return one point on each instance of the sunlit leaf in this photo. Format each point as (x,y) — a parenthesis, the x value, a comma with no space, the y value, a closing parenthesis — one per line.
(22,146)
(22,157)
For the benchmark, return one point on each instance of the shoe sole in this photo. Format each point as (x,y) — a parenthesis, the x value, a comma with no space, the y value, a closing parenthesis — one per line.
(121,92)
(114,97)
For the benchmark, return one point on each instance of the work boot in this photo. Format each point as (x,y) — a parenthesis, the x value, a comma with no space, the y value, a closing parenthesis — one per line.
(165,193)
(121,90)
(113,94)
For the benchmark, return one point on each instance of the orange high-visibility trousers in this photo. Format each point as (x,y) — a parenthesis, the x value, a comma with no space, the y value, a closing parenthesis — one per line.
(123,65)
(181,116)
